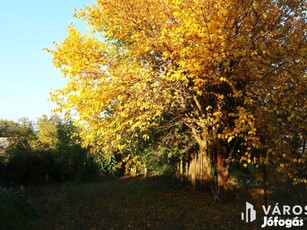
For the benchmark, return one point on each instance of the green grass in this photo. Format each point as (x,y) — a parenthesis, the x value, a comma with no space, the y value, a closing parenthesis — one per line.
(133,203)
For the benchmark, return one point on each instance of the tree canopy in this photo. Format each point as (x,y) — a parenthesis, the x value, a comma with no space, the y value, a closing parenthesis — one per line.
(232,72)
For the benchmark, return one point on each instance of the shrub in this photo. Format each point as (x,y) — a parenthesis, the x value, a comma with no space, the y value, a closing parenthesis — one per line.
(15,211)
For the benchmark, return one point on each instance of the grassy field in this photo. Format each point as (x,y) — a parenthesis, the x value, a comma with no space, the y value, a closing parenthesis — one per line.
(134,203)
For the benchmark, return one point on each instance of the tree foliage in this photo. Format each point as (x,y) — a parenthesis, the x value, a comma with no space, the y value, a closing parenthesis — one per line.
(47,133)
(7,127)
(20,134)
(50,152)
(232,72)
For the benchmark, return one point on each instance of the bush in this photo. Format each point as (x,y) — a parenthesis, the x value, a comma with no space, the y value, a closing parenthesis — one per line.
(30,168)
(75,165)
(246,176)
(15,211)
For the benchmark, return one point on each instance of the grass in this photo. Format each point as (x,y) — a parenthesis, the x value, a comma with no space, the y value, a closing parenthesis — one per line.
(134,203)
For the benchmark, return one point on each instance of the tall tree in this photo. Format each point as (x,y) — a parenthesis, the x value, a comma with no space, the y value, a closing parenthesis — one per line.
(21,134)
(7,128)
(47,133)
(228,70)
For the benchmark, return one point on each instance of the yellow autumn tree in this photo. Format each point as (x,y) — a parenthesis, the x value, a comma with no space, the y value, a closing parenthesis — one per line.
(232,71)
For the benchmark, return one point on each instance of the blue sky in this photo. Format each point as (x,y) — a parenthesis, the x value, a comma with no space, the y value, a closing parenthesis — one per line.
(27,74)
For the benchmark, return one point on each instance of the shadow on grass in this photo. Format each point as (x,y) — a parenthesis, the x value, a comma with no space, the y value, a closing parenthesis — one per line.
(136,203)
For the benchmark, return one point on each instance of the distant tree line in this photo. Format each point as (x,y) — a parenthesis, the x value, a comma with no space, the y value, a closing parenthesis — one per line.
(42,152)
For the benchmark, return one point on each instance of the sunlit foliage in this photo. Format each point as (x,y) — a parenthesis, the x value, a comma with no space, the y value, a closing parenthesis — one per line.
(233,72)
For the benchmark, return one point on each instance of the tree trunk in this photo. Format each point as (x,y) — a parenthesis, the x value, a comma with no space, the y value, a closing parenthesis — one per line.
(265,186)
(222,175)
(200,169)
(207,176)
(145,172)
(192,170)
